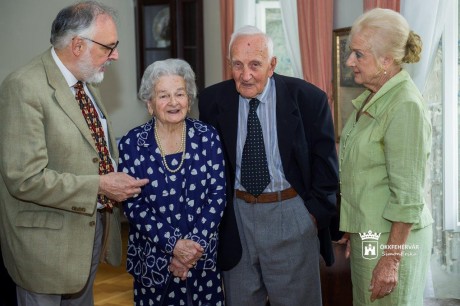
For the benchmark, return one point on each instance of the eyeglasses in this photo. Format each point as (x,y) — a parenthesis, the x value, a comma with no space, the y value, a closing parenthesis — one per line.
(105,46)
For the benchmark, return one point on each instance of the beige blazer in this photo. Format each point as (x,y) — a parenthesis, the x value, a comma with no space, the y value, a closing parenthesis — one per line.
(49,182)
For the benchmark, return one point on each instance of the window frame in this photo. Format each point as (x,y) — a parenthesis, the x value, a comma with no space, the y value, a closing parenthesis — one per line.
(450,123)
(261,7)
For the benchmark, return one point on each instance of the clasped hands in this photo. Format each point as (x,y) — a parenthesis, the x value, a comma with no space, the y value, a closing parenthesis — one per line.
(185,255)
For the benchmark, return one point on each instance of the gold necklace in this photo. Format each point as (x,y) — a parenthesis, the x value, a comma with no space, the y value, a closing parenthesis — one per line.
(162,152)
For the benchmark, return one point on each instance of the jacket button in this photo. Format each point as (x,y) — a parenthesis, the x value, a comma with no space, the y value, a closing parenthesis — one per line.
(92,223)
(95,160)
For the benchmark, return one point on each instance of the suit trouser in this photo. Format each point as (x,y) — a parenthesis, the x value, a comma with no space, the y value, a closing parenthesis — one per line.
(83,298)
(280,259)
(8,287)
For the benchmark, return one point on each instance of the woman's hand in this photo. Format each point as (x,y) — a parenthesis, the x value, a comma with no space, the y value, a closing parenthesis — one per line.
(178,269)
(385,274)
(384,277)
(346,240)
(188,252)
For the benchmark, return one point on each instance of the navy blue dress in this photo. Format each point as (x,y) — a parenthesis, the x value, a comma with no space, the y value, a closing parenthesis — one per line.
(187,204)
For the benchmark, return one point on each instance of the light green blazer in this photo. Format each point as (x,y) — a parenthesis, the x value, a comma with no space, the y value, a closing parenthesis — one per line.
(383,158)
(49,182)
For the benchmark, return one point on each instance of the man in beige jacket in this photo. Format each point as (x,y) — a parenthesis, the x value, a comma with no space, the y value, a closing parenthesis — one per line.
(53,228)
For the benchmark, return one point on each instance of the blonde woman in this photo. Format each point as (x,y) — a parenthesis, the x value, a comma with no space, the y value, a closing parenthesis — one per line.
(384,148)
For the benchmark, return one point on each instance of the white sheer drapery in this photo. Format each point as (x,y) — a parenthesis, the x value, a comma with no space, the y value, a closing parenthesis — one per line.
(291,34)
(427,19)
(245,13)
(431,21)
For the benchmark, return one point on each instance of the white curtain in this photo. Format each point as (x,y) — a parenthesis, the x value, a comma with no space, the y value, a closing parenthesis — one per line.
(427,19)
(291,34)
(433,20)
(245,13)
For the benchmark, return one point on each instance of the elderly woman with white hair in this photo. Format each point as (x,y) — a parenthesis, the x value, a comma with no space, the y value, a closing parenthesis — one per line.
(173,222)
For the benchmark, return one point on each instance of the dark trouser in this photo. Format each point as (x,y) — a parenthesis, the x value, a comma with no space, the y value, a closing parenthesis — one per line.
(8,287)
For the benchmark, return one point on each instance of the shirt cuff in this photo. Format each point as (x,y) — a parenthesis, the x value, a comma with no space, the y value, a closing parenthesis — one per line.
(406,213)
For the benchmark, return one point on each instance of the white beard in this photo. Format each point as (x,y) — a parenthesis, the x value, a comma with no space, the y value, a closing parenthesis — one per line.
(90,73)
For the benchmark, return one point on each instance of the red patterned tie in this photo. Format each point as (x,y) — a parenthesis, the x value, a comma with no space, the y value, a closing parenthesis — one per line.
(94,124)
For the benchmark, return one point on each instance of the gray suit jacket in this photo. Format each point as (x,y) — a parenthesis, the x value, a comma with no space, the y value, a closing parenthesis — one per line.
(49,182)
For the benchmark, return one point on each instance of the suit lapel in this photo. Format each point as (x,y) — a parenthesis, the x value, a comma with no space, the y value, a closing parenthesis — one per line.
(228,120)
(287,117)
(64,97)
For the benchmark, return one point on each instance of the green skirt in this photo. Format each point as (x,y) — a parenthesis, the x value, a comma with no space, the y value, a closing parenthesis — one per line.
(414,265)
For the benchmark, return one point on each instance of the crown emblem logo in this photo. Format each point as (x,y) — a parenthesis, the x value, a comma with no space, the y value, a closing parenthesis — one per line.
(369,235)
(369,244)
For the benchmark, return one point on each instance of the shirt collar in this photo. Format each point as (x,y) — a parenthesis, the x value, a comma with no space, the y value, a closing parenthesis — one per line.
(371,106)
(69,77)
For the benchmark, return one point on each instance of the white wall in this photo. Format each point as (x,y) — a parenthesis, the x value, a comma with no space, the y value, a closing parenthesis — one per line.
(346,11)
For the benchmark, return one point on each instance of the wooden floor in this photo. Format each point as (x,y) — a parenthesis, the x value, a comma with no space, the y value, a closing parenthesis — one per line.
(113,285)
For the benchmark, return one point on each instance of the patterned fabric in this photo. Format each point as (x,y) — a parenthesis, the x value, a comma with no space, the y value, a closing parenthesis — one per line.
(97,132)
(254,167)
(187,204)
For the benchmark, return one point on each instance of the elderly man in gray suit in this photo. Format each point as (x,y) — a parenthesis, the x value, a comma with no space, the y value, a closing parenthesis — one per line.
(59,194)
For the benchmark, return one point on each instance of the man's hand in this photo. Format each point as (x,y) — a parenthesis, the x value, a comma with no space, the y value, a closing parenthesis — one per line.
(120,186)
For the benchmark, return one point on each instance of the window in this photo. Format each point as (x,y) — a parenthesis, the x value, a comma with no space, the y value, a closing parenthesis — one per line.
(269,20)
(442,96)
(457,40)
(450,47)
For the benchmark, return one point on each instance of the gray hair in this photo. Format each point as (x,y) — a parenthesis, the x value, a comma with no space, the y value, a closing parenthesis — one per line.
(77,19)
(249,30)
(387,32)
(172,66)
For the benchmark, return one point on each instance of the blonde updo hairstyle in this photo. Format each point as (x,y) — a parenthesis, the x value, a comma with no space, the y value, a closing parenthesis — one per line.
(388,33)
